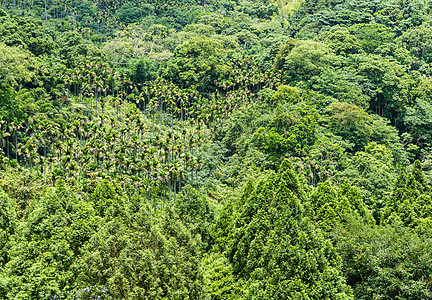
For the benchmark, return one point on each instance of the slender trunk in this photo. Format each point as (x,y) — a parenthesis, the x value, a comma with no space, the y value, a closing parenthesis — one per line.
(46,14)
(8,148)
(175,181)
(160,111)
(44,168)
(96,100)
(153,126)
(16,148)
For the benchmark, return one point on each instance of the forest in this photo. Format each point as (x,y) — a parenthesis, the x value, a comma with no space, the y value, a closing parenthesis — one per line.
(216,149)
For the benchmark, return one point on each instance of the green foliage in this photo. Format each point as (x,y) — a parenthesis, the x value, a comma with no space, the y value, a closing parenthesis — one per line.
(129,13)
(341,40)
(371,170)
(286,94)
(288,129)
(355,125)
(410,201)
(329,208)
(387,262)
(196,62)
(417,114)
(138,42)
(7,224)
(292,131)
(381,80)
(196,213)
(417,41)
(17,66)
(73,49)
(371,36)
(219,278)
(109,201)
(352,123)
(140,145)
(277,251)
(9,110)
(26,32)
(306,59)
(23,188)
(46,244)
(143,71)
(154,258)
(326,210)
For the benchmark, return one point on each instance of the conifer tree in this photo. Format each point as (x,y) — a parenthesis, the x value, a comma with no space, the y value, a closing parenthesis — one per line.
(410,201)
(276,249)
(7,224)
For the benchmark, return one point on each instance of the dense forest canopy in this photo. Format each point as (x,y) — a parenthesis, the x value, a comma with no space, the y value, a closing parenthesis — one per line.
(223,149)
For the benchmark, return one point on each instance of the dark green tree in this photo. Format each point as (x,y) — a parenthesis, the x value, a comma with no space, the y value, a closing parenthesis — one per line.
(277,251)
(385,262)
(45,246)
(410,201)
(195,211)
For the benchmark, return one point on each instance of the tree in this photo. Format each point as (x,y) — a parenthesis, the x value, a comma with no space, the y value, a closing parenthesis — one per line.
(329,208)
(410,201)
(341,40)
(45,246)
(352,123)
(418,41)
(7,226)
(130,13)
(137,41)
(305,59)
(109,201)
(195,212)
(17,66)
(28,33)
(196,62)
(387,262)
(372,170)
(371,36)
(418,111)
(277,251)
(291,130)
(155,258)
(10,110)
(286,94)
(73,49)
(219,278)
(381,82)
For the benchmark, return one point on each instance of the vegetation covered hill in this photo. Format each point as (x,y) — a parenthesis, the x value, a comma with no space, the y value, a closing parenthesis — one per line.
(225,149)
